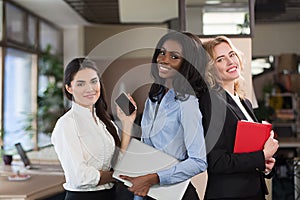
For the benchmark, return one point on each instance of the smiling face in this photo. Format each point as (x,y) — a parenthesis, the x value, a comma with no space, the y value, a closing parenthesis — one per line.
(169,59)
(85,87)
(227,63)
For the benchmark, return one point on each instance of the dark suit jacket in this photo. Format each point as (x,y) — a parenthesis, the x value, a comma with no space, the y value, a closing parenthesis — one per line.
(229,175)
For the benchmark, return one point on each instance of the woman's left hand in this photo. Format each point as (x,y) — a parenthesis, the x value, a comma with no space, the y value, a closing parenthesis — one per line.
(141,184)
(269,164)
(106,177)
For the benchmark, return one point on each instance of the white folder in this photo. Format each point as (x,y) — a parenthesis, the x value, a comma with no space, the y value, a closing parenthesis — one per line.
(140,159)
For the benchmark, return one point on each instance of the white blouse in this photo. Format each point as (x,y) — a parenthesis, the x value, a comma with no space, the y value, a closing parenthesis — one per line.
(83,147)
(239,103)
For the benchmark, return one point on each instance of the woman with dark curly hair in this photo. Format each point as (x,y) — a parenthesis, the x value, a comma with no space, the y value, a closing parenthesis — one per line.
(172,121)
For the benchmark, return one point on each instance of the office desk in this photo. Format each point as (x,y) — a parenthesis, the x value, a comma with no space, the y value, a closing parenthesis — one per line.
(39,186)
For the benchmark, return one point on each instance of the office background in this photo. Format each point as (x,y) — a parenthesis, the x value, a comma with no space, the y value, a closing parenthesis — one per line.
(27,27)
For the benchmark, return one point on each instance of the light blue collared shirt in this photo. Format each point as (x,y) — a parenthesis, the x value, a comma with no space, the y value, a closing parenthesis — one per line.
(176,130)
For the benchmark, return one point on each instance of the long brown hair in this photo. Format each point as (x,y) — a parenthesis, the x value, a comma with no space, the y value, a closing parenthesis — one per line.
(71,70)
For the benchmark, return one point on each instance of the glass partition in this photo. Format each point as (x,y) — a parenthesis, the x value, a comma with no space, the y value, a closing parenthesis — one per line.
(221,17)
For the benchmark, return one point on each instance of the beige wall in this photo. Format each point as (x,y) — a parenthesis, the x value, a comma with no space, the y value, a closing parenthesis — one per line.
(105,44)
(276,38)
(73,43)
(123,54)
(269,39)
(94,35)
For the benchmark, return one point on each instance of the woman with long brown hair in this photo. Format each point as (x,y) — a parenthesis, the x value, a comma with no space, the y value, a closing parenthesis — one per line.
(85,139)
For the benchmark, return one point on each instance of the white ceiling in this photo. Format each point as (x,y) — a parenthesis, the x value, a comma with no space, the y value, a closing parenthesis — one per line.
(61,14)
(55,11)
(156,12)
(130,11)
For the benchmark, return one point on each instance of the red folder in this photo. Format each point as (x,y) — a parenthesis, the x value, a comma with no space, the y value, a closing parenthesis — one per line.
(251,136)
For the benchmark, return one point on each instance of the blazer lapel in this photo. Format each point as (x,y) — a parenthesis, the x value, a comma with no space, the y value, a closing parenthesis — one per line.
(234,108)
(230,103)
(249,109)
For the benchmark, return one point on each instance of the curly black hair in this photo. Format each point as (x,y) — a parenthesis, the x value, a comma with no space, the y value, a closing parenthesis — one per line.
(192,70)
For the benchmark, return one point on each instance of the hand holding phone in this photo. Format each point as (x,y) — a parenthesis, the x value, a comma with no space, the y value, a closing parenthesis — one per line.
(125,104)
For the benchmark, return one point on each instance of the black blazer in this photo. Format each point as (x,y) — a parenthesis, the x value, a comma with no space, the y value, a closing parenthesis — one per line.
(229,175)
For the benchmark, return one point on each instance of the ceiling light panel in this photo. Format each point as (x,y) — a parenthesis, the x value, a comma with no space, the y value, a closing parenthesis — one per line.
(147,11)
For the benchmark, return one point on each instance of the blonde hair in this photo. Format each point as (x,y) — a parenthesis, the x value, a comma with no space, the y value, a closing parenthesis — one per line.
(211,73)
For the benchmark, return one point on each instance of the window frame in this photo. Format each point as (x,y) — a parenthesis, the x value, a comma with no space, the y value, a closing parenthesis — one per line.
(25,46)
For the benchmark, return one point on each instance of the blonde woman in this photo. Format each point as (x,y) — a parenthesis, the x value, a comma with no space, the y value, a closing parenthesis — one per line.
(231,175)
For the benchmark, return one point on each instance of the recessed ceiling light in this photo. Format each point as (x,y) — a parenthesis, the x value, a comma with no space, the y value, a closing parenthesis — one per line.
(213,2)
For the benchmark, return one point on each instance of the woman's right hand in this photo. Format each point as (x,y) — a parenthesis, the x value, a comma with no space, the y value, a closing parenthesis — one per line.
(123,117)
(270,146)
(127,124)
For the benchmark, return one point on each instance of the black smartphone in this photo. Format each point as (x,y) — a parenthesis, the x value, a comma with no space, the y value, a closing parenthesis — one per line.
(125,104)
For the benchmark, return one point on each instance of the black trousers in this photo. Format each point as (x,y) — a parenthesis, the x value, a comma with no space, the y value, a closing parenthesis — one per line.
(259,196)
(190,194)
(122,192)
(108,194)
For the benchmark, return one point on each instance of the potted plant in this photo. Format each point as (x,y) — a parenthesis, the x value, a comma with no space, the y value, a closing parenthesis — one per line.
(245,26)
(50,100)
